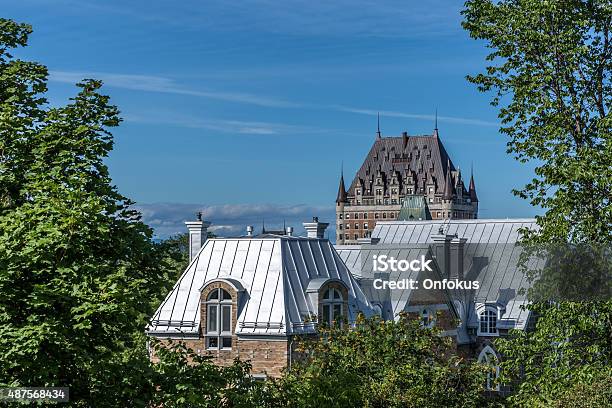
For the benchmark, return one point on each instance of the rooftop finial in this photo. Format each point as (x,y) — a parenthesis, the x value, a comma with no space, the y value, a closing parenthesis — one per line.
(436,122)
(199,215)
(378,124)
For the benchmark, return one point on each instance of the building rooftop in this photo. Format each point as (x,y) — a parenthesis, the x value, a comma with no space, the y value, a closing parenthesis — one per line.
(275,273)
(490,256)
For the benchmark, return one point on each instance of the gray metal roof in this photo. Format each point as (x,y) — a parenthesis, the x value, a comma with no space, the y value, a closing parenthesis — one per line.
(274,271)
(490,256)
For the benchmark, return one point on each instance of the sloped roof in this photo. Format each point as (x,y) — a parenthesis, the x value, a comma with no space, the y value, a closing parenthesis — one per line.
(491,255)
(414,208)
(275,272)
(359,260)
(416,153)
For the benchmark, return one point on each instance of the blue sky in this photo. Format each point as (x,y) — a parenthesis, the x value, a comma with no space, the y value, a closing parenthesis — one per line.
(247,109)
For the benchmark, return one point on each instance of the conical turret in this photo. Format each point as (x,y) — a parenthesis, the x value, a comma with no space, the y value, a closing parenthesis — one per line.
(473,196)
(341,198)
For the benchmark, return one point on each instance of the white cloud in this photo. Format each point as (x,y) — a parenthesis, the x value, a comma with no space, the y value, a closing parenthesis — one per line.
(220,125)
(449,119)
(231,219)
(151,83)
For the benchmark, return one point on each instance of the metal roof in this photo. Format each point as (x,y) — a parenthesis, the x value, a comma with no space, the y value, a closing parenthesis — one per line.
(490,256)
(275,273)
(424,156)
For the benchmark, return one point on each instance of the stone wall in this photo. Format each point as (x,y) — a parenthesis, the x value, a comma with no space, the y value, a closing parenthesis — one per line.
(268,357)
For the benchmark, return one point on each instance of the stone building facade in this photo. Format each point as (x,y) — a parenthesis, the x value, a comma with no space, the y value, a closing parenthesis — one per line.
(395,170)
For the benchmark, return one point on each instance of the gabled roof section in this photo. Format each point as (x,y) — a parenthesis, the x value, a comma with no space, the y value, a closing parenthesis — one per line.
(274,272)
(420,154)
(491,255)
(414,208)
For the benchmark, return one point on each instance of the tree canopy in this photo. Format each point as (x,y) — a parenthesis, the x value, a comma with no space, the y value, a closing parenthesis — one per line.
(549,73)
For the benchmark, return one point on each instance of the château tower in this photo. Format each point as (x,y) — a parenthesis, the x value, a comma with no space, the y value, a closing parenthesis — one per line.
(405,177)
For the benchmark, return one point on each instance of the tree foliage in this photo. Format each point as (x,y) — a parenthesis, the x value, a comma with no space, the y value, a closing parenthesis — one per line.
(549,73)
(186,379)
(382,364)
(79,272)
(569,349)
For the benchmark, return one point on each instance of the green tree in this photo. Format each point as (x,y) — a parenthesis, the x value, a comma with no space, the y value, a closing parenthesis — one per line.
(79,272)
(186,379)
(381,364)
(549,73)
(77,267)
(595,394)
(569,350)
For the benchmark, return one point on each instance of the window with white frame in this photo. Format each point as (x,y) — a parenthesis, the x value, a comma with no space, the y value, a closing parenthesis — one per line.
(488,357)
(332,306)
(487,321)
(219,320)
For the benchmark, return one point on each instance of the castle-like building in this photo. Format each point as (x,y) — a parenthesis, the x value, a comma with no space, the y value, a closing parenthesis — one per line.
(402,178)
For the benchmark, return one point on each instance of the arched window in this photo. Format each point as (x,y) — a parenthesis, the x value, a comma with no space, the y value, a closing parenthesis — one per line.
(488,321)
(428,318)
(489,359)
(332,307)
(219,320)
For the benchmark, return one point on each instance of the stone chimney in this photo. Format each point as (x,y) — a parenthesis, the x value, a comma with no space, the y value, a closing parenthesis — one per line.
(315,229)
(198,232)
(448,251)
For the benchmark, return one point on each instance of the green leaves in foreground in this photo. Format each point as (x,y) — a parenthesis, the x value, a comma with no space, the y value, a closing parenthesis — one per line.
(383,364)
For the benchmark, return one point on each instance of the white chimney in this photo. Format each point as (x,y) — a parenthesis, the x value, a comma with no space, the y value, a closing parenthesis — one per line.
(315,229)
(249,230)
(289,231)
(198,232)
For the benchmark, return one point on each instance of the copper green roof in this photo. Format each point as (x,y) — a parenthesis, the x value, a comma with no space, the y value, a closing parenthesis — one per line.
(414,208)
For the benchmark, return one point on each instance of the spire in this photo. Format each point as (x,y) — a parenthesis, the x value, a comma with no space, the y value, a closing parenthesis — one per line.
(263,226)
(473,196)
(436,123)
(435,133)
(378,125)
(448,187)
(341,198)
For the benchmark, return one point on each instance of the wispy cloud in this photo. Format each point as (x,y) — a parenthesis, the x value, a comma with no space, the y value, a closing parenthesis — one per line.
(221,125)
(150,83)
(231,219)
(449,119)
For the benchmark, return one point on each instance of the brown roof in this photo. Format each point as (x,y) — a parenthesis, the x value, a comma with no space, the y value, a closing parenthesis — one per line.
(423,156)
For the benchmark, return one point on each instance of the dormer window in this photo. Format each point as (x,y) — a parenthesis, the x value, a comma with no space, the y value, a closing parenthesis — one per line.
(332,307)
(219,320)
(487,322)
